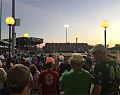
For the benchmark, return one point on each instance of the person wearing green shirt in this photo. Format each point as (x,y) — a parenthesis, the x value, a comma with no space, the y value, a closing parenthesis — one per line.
(77,81)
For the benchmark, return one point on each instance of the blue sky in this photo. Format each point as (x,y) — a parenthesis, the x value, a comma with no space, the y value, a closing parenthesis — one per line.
(46,19)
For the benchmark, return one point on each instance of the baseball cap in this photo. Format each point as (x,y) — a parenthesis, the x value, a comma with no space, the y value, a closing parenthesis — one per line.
(18,77)
(76,58)
(98,48)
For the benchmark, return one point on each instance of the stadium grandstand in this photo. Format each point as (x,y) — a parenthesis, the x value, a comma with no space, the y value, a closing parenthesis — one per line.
(66,47)
(25,43)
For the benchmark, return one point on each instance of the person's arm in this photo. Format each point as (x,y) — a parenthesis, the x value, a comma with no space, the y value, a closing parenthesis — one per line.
(61,85)
(98,79)
(96,89)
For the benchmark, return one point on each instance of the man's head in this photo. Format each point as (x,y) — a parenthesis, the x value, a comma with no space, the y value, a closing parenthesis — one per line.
(99,51)
(2,58)
(76,60)
(18,78)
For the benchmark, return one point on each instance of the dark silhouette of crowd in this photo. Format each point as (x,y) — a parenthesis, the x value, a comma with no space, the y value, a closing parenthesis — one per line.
(50,74)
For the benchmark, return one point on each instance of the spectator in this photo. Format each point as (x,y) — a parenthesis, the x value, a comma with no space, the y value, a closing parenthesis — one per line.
(50,59)
(64,66)
(1,64)
(106,72)
(18,79)
(23,61)
(35,73)
(42,59)
(89,61)
(48,81)
(55,67)
(3,77)
(2,59)
(77,81)
(28,60)
(61,58)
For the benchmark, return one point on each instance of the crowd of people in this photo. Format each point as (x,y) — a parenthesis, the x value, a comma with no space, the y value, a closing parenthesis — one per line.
(95,74)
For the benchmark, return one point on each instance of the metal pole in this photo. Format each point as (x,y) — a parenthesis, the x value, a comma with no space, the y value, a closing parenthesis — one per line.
(76,44)
(105,36)
(0,18)
(66,34)
(13,27)
(9,43)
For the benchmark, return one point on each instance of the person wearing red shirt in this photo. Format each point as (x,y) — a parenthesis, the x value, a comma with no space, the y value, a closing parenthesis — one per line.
(48,81)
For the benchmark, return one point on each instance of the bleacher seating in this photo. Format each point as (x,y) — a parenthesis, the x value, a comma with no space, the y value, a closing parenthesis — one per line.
(66,47)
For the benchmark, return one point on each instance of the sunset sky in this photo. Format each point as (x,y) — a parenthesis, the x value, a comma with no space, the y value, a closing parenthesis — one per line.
(46,19)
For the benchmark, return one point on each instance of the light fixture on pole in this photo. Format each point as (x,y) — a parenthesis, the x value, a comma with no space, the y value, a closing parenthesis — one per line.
(76,37)
(105,24)
(9,21)
(26,35)
(66,27)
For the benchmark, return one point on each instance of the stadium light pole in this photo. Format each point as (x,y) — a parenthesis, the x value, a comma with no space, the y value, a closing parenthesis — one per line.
(66,27)
(105,24)
(13,28)
(9,21)
(76,37)
(0,18)
(26,36)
